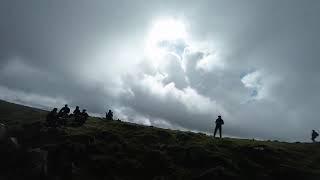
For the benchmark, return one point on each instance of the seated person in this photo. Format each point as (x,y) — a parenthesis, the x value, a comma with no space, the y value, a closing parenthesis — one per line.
(84,115)
(52,118)
(64,112)
(76,112)
(109,115)
(82,118)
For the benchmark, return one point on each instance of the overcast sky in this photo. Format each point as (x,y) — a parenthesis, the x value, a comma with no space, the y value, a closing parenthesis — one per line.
(173,64)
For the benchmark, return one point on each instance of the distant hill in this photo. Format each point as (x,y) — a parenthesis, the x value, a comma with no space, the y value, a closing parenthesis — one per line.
(118,150)
(14,114)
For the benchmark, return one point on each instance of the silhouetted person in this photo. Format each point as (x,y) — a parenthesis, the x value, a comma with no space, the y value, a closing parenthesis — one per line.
(77,112)
(219,123)
(64,112)
(84,117)
(52,118)
(314,135)
(109,115)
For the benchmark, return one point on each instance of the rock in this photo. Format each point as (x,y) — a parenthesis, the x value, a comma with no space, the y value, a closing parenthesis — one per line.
(3,132)
(13,142)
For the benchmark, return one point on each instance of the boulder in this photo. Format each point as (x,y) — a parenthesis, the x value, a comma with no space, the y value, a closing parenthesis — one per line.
(3,132)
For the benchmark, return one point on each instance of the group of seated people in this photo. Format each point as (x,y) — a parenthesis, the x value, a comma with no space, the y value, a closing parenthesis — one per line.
(55,118)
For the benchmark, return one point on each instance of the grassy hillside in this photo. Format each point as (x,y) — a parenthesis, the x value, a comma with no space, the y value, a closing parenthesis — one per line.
(118,150)
(13,114)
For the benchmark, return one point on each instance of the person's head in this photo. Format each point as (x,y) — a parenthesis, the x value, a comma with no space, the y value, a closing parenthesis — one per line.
(109,110)
(313,130)
(54,110)
(66,105)
(219,116)
(77,107)
(84,110)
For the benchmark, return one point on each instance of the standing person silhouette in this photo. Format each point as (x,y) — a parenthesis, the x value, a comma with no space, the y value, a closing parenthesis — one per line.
(219,123)
(314,135)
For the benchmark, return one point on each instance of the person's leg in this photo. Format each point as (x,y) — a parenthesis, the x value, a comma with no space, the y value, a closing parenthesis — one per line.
(220,131)
(215,131)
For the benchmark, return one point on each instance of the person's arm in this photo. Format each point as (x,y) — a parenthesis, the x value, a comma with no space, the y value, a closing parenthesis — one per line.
(61,110)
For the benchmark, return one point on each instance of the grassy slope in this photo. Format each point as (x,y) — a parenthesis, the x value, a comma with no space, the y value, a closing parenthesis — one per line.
(119,150)
(13,114)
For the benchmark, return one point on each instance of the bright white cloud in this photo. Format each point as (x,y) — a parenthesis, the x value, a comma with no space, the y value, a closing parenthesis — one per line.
(252,80)
(211,62)
(260,83)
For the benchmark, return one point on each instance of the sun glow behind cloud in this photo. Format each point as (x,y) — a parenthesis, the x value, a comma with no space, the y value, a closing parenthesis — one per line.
(164,31)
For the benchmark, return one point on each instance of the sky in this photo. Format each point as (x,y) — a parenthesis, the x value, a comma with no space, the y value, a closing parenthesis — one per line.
(171,64)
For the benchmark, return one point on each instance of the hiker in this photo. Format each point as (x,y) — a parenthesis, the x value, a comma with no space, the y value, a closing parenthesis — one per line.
(314,135)
(219,123)
(83,117)
(64,112)
(84,114)
(109,115)
(52,118)
(76,112)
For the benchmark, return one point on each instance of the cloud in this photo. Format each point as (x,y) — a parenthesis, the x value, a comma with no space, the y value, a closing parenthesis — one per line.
(152,96)
(256,68)
(30,99)
(210,62)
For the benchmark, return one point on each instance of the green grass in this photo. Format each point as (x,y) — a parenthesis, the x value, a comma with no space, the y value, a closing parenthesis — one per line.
(12,114)
(121,150)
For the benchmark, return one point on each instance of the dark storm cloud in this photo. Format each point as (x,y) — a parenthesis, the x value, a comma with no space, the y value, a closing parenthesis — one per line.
(255,62)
